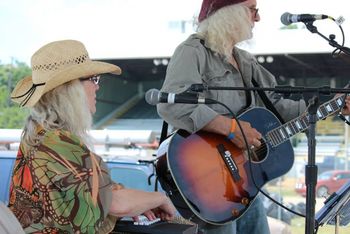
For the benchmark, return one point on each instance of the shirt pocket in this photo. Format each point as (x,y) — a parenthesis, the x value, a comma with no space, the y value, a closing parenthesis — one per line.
(219,78)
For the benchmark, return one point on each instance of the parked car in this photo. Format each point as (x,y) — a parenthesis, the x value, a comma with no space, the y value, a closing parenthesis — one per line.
(7,160)
(328,182)
(332,163)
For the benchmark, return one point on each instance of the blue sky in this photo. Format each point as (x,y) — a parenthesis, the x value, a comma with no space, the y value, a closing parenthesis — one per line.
(139,28)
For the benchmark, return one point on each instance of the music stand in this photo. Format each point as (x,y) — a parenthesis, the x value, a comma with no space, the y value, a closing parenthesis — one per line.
(336,210)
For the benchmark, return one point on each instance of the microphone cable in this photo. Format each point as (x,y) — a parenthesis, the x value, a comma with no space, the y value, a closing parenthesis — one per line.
(249,150)
(338,21)
(250,165)
(336,52)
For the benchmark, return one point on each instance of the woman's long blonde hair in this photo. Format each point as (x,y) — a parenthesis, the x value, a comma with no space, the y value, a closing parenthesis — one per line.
(64,107)
(225,28)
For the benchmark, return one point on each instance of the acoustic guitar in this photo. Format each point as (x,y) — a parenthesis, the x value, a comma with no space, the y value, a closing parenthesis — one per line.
(215,179)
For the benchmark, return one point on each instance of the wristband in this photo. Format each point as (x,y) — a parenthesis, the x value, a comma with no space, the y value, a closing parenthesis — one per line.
(231,135)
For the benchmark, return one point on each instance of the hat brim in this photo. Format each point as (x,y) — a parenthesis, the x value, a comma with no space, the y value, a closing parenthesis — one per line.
(70,73)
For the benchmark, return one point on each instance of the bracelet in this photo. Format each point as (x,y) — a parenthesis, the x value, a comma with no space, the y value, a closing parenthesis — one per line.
(231,135)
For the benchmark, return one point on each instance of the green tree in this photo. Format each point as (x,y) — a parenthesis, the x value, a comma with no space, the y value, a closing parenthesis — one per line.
(11,115)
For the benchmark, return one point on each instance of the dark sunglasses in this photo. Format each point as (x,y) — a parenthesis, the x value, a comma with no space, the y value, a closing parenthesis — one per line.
(95,79)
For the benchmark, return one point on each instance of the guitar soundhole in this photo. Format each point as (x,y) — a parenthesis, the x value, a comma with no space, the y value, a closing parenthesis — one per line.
(260,153)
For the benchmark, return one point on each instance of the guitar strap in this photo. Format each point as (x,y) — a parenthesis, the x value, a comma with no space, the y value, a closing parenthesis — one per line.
(164,133)
(268,104)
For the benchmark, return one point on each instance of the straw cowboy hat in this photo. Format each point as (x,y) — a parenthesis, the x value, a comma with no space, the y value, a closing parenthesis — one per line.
(55,64)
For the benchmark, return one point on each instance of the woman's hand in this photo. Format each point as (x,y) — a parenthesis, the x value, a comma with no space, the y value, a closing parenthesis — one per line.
(131,203)
(149,214)
(166,211)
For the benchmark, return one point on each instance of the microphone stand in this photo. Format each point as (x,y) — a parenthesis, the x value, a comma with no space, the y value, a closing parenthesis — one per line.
(284,89)
(311,167)
(331,41)
(311,170)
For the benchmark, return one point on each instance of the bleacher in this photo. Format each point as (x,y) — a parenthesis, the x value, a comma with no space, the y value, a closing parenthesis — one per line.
(330,126)
(325,145)
(139,116)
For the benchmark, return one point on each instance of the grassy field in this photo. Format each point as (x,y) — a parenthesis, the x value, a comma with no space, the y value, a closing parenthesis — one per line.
(298,227)
(286,189)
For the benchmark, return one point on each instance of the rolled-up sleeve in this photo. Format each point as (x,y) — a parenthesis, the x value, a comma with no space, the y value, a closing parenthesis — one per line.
(185,68)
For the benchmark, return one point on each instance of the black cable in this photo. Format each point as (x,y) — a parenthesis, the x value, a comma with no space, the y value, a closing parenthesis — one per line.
(337,51)
(331,41)
(250,164)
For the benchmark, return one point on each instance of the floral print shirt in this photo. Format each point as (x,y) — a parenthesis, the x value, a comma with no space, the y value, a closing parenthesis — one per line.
(60,186)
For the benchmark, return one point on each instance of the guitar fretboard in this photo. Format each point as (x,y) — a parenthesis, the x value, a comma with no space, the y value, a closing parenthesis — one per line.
(281,134)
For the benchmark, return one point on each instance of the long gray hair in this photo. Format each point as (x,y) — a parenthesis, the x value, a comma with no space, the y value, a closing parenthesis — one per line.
(64,107)
(225,28)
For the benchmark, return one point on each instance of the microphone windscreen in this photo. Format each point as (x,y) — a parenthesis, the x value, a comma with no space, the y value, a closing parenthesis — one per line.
(285,18)
(151,96)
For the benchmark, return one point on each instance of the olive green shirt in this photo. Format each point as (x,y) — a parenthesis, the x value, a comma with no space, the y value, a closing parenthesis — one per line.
(194,63)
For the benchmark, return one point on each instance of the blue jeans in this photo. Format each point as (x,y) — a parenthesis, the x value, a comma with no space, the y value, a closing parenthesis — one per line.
(229,228)
(254,221)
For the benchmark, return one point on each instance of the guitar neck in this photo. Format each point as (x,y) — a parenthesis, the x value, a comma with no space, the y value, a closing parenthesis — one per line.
(284,132)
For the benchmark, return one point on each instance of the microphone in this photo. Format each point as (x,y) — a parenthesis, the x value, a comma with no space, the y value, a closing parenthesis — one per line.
(154,96)
(288,18)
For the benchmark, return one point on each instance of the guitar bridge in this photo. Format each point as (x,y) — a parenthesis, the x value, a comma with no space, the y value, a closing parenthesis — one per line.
(230,163)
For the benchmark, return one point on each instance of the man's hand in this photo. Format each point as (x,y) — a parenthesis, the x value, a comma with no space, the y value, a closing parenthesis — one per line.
(252,135)
(222,125)
(346,109)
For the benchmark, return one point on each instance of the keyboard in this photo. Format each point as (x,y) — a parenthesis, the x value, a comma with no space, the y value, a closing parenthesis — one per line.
(127,225)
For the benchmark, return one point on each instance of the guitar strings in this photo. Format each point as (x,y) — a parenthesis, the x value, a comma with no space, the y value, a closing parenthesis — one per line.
(261,150)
